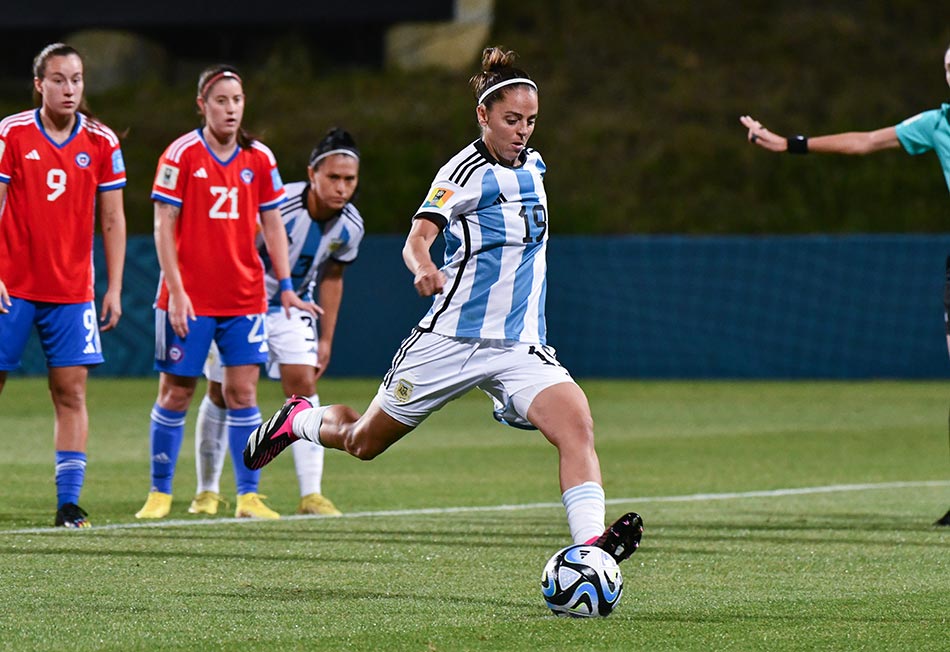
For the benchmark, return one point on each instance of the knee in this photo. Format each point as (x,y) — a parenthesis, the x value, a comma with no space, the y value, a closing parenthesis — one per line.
(240,396)
(361,450)
(174,397)
(68,396)
(216,394)
(360,447)
(357,441)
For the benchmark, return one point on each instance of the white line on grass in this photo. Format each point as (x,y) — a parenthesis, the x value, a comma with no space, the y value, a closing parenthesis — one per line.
(685,498)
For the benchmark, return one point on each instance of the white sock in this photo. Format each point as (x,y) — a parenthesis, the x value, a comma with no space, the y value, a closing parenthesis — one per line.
(586,508)
(211,445)
(306,424)
(308,460)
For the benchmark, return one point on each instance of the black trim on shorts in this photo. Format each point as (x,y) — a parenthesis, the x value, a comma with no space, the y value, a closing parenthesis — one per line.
(400,355)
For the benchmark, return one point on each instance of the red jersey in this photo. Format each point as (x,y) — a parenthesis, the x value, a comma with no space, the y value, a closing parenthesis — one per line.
(48,221)
(215,231)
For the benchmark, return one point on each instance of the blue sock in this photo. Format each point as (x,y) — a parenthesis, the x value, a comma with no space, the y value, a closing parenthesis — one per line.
(70,474)
(167,432)
(241,423)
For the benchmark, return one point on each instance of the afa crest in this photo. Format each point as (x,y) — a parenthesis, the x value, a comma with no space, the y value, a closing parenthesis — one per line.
(403,391)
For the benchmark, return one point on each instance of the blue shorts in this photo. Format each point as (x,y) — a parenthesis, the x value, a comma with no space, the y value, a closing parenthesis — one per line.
(241,340)
(69,333)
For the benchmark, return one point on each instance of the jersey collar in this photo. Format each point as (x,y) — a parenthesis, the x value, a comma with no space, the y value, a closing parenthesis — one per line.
(482,149)
(39,125)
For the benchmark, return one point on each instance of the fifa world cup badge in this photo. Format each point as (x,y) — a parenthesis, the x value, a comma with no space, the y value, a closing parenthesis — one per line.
(403,391)
(167,176)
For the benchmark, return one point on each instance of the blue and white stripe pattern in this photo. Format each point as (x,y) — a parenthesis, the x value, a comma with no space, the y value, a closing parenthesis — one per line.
(495,226)
(167,418)
(310,244)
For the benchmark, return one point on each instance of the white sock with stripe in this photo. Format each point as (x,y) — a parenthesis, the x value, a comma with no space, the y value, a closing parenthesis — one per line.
(586,508)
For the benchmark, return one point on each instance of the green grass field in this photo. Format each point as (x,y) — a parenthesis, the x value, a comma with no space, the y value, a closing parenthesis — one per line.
(779,516)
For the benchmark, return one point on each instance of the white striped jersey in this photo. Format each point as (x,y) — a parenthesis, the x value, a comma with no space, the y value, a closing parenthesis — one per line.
(311,244)
(494,220)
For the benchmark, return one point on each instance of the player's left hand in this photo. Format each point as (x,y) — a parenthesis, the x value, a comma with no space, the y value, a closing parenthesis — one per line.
(111,310)
(289,298)
(323,357)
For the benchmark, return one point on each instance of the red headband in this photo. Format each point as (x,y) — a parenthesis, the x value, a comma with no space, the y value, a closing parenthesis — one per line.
(214,78)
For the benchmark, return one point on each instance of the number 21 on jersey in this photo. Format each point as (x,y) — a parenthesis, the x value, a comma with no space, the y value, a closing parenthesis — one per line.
(225,203)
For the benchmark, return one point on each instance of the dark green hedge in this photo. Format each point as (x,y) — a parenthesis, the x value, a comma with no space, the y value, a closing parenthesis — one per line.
(639,115)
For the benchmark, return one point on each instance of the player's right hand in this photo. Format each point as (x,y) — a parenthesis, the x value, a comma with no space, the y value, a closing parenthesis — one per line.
(180,311)
(429,281)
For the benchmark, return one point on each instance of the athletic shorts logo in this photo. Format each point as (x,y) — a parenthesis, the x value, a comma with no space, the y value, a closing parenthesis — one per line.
(118,163)
(167,177)
(176,353)
(403,391)
(438,197)
(247,175)
(83,160)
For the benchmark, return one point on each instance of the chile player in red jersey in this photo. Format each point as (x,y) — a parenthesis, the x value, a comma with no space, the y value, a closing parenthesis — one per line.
(56,165)
(209,188)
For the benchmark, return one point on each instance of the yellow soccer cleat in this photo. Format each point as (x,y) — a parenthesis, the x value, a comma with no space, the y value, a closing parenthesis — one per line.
(317,504)
(206,502)
(250,505)
(156,506)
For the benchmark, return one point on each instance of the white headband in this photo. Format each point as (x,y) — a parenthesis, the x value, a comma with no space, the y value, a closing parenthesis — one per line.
(347,152)
(507,82)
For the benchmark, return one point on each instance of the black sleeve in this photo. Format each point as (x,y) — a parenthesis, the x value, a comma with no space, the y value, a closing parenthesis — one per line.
(435,218)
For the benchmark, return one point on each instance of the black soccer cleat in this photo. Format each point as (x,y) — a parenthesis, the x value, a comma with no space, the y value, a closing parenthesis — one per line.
(72,516)
(945,520)
(622,539)
(274,435)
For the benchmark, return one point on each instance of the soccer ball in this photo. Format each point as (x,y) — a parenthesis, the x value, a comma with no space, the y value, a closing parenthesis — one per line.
(581,582)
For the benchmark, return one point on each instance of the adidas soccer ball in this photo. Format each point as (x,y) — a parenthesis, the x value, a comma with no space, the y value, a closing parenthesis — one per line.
(581,582)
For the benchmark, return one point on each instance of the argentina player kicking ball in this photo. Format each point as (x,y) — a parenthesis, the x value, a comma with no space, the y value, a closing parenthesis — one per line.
(486,326)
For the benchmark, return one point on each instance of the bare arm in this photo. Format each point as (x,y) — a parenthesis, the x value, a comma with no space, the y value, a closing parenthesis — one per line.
(851,142)
(429,279)
(180,309)
(331,296)
(275,239)
(4,295)
(112,221)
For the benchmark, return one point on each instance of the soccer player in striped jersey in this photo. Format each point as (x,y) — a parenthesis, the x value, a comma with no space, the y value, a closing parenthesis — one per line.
(210,186)
(324,230)
(57,164)
(486,326)
(928,131)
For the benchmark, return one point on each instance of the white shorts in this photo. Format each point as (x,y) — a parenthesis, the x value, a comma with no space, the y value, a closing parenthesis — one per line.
(290,340)
(429,370)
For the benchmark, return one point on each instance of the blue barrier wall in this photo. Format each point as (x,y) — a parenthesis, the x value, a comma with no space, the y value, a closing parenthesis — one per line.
(653,307)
